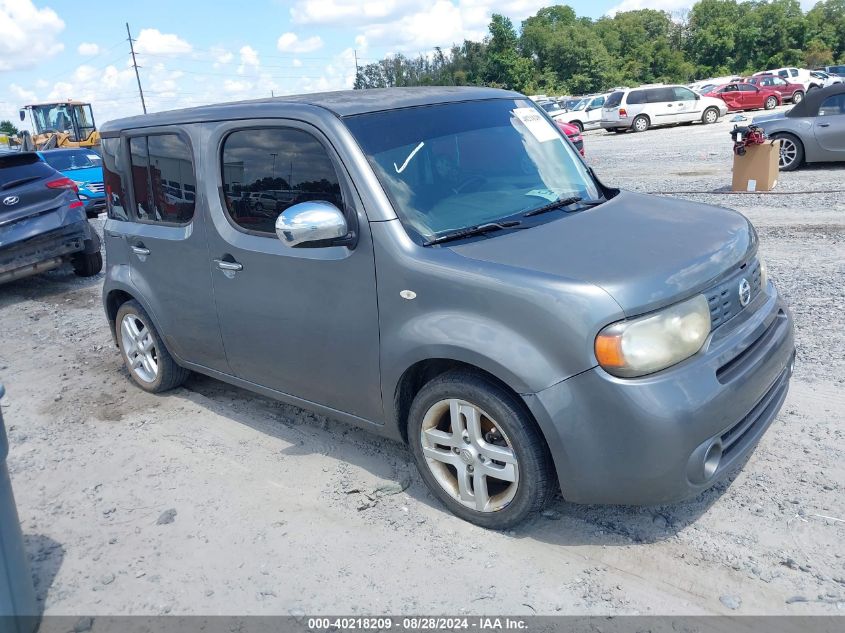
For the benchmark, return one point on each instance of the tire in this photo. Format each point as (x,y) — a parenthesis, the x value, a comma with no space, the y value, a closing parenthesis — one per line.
(791,152)
(641,123)
(797,96)
(619,130)
(579,125)
(504,429)
(156,371)
(87,264)
(710,116)
(771,103)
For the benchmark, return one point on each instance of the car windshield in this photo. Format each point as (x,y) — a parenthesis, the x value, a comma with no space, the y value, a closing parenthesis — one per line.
(71,159)
(453,166)
(580,105)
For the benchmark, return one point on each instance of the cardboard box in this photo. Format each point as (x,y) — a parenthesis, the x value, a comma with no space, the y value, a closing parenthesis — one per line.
(757,170)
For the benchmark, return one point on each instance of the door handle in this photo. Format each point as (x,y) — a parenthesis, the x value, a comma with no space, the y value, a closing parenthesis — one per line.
(228,266)
(140,250)
(824,124)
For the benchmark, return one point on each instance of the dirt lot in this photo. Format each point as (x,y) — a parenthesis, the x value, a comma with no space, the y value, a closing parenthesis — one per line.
(213,500)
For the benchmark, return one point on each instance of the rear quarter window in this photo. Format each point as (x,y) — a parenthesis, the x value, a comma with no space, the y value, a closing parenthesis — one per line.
(112,180)
(636,97)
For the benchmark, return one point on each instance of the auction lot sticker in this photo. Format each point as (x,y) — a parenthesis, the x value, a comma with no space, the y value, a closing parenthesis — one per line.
(537,124)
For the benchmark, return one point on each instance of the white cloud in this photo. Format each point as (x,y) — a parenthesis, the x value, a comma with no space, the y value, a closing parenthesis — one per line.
(297,63)
(221,56)
(249,59)
(29,35)
(344,11)
(155,42)
(23,95)
(290,43)
(88,49)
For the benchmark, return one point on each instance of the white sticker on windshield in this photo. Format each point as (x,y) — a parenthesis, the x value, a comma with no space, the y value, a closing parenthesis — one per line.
(92,156)
(539,127)
(549,194)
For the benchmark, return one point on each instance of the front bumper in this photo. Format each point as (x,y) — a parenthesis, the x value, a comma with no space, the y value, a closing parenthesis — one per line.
(645,441)
(94,206)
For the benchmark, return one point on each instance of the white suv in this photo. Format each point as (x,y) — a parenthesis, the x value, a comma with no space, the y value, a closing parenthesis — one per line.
(586,115)
(795,76)
(645,107)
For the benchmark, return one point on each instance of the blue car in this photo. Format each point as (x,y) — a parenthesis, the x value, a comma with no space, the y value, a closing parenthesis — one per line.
(84,167)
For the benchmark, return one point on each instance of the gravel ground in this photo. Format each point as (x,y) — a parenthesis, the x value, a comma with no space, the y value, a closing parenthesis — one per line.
(212,500)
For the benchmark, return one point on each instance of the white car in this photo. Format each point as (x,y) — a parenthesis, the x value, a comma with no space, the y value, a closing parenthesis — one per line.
(551,107)
(795,76)
(650,106)
(826,79)
(586,115)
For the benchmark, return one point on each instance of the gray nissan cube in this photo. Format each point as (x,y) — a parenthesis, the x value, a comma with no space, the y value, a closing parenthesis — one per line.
(440,266)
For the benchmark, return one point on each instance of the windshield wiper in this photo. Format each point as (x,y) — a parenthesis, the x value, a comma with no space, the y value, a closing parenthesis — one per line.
(19,181)
(560,203)
(472,230)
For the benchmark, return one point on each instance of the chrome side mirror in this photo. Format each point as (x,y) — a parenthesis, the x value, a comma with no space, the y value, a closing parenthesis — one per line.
(311,223)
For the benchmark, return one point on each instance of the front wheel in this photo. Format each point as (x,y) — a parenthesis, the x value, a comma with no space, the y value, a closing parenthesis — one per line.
(771,103)
(797,96)
(791,152)
(479,451)
(710,116)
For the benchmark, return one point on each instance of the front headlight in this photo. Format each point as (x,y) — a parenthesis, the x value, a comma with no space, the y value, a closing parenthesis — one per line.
(655,341)
(764,273)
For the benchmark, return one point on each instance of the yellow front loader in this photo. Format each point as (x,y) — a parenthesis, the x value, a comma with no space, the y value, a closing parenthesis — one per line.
(62,124)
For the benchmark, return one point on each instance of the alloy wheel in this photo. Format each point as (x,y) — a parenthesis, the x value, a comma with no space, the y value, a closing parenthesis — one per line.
(788,152)
(469,455)
(711,116)
(138,345)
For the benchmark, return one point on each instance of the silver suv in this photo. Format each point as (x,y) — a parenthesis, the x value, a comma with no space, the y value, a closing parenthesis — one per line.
(639,109)
(445,270)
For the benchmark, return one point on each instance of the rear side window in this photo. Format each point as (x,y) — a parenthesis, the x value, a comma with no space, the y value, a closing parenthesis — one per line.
(113,167)
(747,88)
(267,170)
(614,100)
(636,97)
(18,169)
(162,179)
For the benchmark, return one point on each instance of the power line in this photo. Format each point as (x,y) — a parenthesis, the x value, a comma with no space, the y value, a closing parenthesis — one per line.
(135,64)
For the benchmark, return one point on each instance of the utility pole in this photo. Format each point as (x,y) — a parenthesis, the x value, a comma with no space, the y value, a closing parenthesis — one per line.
(135,64)
(355,52)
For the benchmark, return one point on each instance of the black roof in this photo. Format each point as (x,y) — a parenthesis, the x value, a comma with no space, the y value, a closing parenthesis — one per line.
(811,102)
(341,103)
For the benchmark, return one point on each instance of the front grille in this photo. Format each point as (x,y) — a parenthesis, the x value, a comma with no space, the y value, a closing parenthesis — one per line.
(761,414)
(96,187)
(724,298)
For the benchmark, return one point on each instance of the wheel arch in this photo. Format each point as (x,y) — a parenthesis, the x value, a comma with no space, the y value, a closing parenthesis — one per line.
(115,297)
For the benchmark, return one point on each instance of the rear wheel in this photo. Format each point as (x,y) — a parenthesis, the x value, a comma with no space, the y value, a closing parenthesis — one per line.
(641,123)
(479,451)
(791,152)
(797,96)
(771,103)
(147,359)
(710,116)
(87,264)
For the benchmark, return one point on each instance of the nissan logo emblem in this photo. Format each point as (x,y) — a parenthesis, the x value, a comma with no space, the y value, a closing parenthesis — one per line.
(744,292)
(10,200)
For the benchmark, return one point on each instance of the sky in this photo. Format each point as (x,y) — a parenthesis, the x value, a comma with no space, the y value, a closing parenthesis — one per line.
(194,52)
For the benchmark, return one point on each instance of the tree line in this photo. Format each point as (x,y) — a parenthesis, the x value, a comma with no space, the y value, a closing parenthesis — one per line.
(557,52)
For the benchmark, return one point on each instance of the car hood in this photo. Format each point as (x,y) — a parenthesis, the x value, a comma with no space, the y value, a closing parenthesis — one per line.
(645,251)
